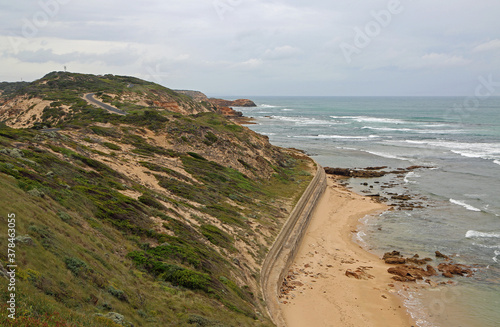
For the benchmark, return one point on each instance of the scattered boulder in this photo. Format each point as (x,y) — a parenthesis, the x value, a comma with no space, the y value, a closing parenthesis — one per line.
(359,273)
(415,259)
(410,273)
(440,255)
(450,269)
(393,258)
(403,197)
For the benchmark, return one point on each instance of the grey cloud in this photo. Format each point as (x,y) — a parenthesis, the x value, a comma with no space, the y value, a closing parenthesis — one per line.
(267,47)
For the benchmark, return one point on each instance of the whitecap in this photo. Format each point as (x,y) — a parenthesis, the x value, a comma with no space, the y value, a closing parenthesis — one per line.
(304,121)
(386,155)
(465,205)
(362,119)
(373,119)
(267,105)
(476,234)
(497,253)
(487,151)
(486,246)
(332,137)
(388,129)
(411,174)
(497,162)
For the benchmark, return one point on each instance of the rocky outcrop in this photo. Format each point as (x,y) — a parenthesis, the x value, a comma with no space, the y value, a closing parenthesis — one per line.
(450,269)
(410,273)
(440,255)
(229,112)
(393,258)
(369,172)
(232,103)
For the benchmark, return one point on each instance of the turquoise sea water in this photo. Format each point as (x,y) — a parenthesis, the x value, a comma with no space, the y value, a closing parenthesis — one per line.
(461,192)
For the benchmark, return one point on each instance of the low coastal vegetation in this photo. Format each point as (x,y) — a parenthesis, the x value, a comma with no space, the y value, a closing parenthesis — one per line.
(161,217)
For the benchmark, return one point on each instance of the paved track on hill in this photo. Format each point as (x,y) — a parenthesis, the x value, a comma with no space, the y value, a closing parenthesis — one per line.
(90,98)
(286,245)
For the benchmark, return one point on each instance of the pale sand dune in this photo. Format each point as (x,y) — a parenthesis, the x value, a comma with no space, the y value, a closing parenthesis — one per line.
(328,297)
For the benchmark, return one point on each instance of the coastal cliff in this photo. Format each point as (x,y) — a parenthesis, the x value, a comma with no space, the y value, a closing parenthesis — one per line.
(159,216)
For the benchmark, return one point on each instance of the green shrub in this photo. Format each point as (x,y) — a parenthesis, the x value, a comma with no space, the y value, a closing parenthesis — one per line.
(104,131)
(186,278)
(151,202)
(119,294)
(210,138)
(112,146)
(75,265)
(217,236)
(196,156)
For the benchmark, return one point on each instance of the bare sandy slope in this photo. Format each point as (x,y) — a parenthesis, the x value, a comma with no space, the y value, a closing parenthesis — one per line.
(323,294)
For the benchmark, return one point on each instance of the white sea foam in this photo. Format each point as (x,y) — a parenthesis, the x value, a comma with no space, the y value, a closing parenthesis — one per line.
(476,234)
(372,119)
(415,130)
(415,307)
(388,129)
(487,151)
(379,120)
(411,174)
(332,137)
(287,109)
(360,237)
(267,105)
(486,246)
(465,205)
(304,121)
(495,258)
(497,162)
(386,155)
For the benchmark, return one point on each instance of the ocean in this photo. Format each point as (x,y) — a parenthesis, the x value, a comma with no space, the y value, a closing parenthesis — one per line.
(458,139)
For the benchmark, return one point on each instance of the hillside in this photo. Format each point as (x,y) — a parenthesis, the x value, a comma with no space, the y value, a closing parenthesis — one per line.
(160,217)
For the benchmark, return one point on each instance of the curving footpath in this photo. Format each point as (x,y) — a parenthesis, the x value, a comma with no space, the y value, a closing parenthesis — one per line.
(284,249)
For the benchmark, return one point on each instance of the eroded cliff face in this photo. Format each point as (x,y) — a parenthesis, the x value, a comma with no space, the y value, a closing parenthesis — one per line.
(23,111)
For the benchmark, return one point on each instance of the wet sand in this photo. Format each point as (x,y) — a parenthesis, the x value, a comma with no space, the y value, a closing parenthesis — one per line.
(323,294)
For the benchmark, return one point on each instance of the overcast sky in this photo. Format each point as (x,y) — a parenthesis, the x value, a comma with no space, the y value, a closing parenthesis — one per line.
(261,47)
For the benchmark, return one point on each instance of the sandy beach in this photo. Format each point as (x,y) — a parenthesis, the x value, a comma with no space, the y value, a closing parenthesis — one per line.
(323,294)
